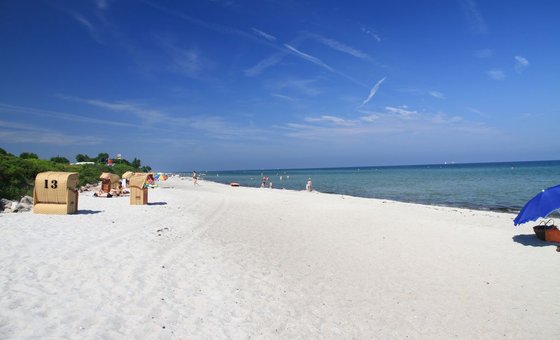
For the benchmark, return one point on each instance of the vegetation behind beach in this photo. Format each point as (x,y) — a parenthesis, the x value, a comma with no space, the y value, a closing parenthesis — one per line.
(17,173)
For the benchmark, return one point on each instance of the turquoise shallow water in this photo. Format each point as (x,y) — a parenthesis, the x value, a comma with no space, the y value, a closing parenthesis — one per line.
(485,186)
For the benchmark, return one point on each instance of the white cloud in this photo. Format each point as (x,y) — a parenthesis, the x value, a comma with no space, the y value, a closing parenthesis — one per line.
(201,23)
(496,74)
(338,46)
(147,115)
(267,36)
(436,94)
(373,91)
(82,20)
(186,61)
(401,111)
(281,96)
(308,57)
(370,118)
(371,33)
(395,120)
(264,64)
(477,112)
(475,20)
(87,24)
(521,63)
(332,120)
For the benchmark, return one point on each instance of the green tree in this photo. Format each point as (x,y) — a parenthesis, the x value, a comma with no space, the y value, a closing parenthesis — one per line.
(28,155)
(121,161)
(146,168)
(83,158)
(102,157)
(59,159)
(135,163)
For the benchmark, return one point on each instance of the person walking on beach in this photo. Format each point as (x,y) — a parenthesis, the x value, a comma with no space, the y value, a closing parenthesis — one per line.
(309,185)
(195,178)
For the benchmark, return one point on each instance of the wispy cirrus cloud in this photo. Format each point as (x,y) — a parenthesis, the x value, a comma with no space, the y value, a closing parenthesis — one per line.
(50,138)
(521,64)
(496,74)
(158,119)
(265,35)
(308,57)
(395,119)
(476,22)
(331,120)
(401,111)
(338,46)
(222,29)
(93,18)
(373,91)
(436,94)
(92,29)
(146,115)
(265,63)
(284,97)
(477,111)
(185,61)
(370,118)
(19,133)
(290,49)
(423,92)
(57,115)
(372,33)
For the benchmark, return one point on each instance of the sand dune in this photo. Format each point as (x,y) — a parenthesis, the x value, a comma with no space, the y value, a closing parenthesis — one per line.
(213,261)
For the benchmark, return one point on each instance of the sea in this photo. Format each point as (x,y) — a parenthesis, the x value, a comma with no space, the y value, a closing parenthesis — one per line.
(504,186)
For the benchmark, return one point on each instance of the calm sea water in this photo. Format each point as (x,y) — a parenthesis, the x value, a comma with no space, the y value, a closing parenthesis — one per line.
(486,186)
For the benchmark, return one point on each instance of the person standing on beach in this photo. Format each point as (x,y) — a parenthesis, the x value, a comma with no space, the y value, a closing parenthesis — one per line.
(309,185)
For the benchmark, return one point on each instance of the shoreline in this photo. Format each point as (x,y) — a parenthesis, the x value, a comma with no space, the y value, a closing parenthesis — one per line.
(505,210)
(212,260)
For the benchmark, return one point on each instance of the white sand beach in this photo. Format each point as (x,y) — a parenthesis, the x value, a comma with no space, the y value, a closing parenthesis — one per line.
(213,261)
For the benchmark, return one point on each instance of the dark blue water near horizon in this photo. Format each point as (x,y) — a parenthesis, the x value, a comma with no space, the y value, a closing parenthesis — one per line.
(504,186)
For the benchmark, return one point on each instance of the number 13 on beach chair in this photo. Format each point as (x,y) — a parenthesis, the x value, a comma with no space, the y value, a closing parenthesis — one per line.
(55,193)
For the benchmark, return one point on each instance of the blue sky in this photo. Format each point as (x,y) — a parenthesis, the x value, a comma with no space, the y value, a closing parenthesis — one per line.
(231,84)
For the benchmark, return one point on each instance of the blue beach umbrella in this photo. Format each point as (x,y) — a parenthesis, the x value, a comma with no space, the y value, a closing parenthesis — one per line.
(539,206)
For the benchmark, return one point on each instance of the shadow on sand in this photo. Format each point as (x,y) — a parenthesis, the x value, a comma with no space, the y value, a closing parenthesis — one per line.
(87,212)
(157,203)
(531,240)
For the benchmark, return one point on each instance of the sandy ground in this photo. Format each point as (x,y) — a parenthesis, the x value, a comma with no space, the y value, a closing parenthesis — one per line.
(213,261)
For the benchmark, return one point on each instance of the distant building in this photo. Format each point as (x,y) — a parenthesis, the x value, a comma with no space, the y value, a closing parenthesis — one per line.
(82,163)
